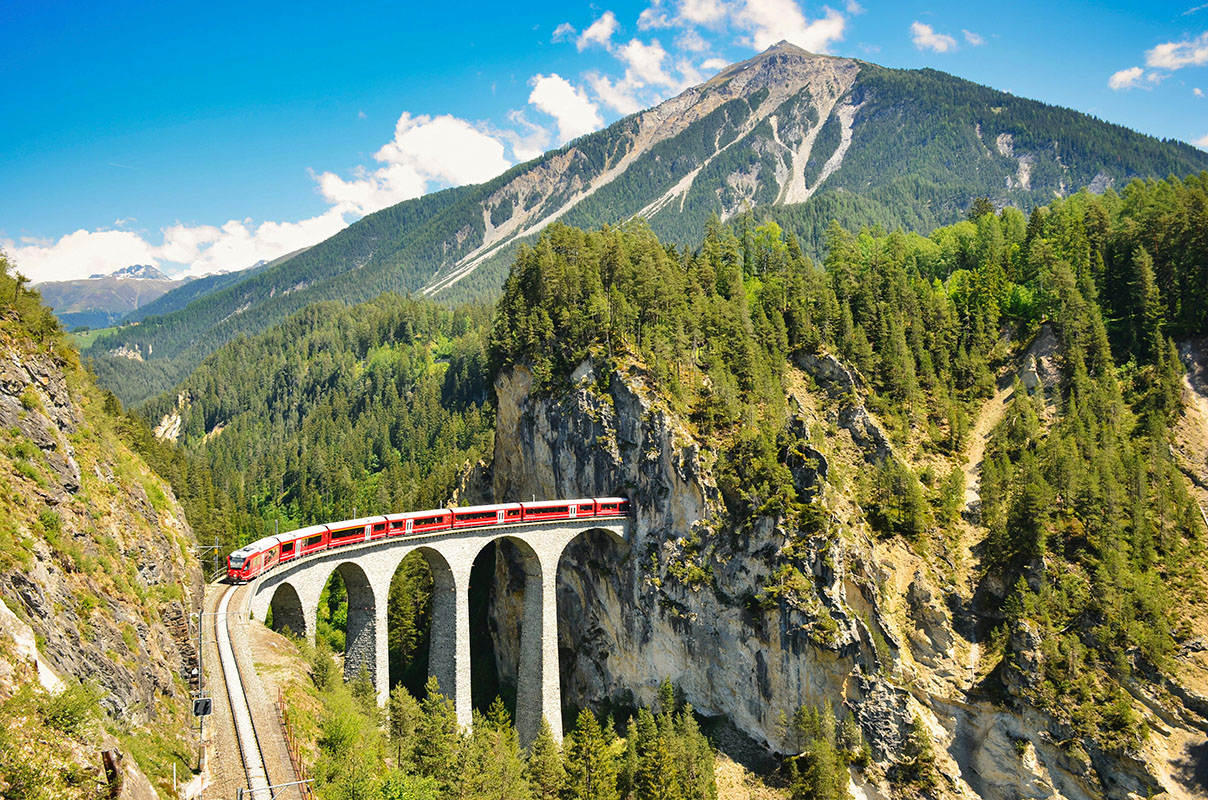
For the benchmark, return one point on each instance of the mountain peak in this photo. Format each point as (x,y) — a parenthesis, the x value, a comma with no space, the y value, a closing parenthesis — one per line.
(138,271)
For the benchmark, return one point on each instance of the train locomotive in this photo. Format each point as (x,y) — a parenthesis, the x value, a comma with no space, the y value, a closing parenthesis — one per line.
(261,556)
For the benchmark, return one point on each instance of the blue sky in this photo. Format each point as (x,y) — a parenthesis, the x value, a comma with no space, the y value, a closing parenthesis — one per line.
(210,137)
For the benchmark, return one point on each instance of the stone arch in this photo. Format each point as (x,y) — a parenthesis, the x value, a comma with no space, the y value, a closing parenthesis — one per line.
(286,607)
(360,637)
(530,664)
(594,597)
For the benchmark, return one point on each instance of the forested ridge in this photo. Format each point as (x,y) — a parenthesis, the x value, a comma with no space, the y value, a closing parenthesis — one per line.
(1093,551)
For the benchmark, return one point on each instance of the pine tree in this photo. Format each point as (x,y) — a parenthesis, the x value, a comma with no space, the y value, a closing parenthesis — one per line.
(545,771)
(591,771)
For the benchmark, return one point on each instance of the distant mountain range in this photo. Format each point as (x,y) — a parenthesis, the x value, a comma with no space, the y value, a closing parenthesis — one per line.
(101,300)
(801,138)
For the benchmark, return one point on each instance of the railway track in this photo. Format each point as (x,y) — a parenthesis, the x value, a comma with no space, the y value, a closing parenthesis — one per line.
(241,714)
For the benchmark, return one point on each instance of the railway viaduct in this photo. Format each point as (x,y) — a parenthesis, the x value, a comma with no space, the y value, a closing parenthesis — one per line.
(292,592)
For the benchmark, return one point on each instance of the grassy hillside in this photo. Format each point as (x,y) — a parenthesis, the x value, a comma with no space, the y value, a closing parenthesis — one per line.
(97,560)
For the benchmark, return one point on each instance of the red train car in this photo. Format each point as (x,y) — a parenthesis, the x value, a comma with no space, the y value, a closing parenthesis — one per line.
(356,530)
(251,560)
(420,522)
(476,516)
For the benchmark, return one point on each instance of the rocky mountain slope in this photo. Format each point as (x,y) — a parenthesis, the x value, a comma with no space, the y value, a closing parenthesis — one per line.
(97,582)
(801,137)
(871,626)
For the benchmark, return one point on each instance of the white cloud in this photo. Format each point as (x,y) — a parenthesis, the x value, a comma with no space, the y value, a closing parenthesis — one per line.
(714,64)
(1202,142)
(654,17)
(769,21)
(644,63)
(617,96)
(973,38)
(1198,92)
(240,244)
(702,12)
(925,38)
(691,41)
(853,7)
(527,143)
(80,254)
(599,32)
(1176,55)
(425,150)
(574,112)
(193,249)
(563,32)
(1125,78)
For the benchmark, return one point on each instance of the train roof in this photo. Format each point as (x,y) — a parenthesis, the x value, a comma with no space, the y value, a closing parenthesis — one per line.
(256,546)
(571,501)
(353,523)
(300,533)
(491,507)
(412,514)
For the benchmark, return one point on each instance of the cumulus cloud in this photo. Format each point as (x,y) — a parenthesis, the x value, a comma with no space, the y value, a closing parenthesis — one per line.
(1198,92)
(644,63)
(976,40)
(691,41)
(714,64)
(1176,55)
(1125,78)
(80,254)
(563,32)
(190,249)
(702,12)
(769,21)
(568,105)
(618,96)
(1202,142)
(925,38)
(599,32)
(654,17)
(425,150)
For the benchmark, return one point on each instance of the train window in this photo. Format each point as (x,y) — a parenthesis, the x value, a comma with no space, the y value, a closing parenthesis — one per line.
(552,510)
(287,548)
(313,540)
(476,516)
(380,526)
(429,521)
(513,512)
(396,524)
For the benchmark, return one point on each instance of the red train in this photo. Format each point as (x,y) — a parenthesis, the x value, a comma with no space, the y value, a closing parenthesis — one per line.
(258,557)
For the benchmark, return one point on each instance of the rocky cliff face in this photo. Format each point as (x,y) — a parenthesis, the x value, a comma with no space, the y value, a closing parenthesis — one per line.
(751,621)
(96,569)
